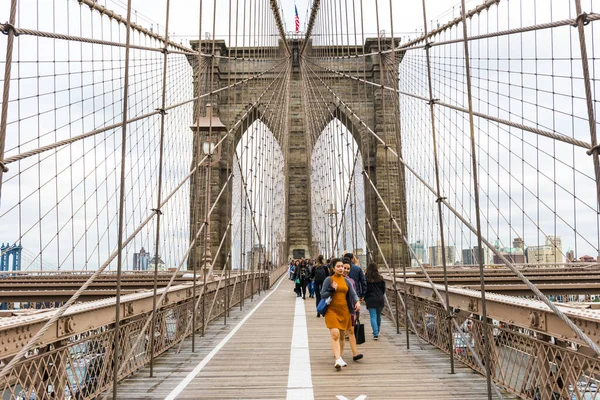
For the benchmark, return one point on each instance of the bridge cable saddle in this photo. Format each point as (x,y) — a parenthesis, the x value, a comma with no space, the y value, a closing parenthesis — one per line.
(156,211)
(440,199)
(3,166)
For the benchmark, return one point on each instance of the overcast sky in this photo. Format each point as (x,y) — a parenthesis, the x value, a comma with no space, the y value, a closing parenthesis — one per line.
(533,78)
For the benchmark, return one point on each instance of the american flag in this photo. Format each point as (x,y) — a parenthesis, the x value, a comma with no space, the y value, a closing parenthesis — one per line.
(297,20)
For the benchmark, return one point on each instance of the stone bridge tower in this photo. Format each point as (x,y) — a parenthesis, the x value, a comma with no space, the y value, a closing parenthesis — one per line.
(359,106)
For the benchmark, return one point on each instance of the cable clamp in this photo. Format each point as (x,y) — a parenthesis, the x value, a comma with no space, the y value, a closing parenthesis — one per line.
(433,101)
(3,166)
(7,27)
(440,199)
(428,45)
(156,211)
(451,315)
(593,150)
(584,17)
(162,111)
(164,50)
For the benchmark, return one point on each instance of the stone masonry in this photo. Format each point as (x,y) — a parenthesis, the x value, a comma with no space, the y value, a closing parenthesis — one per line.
(376,107)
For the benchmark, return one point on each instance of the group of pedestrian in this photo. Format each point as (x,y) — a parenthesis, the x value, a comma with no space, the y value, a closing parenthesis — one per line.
(300,272)
(344,285)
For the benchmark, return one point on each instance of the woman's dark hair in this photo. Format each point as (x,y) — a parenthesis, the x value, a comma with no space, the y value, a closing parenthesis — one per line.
(373,274)
(333,262)
(320,260)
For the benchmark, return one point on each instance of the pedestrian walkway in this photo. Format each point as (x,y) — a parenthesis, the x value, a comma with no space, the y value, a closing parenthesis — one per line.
(276,348)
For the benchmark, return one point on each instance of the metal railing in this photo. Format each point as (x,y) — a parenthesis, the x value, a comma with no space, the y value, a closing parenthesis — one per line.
(77,362)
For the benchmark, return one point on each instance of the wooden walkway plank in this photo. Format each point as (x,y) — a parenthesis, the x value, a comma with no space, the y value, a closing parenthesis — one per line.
(255,362)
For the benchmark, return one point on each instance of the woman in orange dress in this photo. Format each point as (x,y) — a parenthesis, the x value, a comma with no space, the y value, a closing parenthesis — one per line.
(343,301)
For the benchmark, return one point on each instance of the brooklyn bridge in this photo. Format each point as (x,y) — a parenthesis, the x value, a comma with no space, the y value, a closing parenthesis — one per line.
(167,169)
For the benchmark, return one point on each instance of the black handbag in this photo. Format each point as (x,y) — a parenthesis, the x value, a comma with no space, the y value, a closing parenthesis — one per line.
(359,332)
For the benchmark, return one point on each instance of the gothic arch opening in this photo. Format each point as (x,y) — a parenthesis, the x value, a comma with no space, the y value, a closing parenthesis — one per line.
(338,200)
(258,200)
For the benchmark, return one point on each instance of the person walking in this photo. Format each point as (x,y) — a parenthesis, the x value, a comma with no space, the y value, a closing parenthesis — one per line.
(337,317)
(353,317)
(357,274)
(311,282)
(297,281)
(291,269)
(318,275)
(375,297)
(302,278)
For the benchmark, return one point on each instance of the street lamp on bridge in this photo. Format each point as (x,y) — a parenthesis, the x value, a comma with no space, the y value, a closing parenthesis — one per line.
(332,214)
(210,130)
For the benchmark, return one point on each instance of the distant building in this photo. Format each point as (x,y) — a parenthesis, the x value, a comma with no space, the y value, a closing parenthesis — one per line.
(519,243)
(362,258)
(161,264)
(419,249)
(570,256)
(435,255)
(140,260)
(253,257)
(470,256)
(587,258)
(550,252)
(516,255)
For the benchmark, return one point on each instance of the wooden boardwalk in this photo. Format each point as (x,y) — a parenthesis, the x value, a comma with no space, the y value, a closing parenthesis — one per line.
(254,363)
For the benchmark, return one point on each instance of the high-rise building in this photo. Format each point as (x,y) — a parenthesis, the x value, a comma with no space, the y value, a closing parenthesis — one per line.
(550,252)
(435,255)
(519,243)
(570,256)
(140,260)
(419,251)
(470,256)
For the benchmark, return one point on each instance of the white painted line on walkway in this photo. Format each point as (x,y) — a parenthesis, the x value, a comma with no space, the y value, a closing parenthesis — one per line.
(218,347)
(300,385)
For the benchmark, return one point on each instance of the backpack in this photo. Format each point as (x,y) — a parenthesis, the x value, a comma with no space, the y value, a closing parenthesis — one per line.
(321,273)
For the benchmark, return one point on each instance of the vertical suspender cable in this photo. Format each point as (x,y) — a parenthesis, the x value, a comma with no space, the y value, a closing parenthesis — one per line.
(159,190)
(588,95)
(438,193)
(6,89)
(477,211)
(116,344)
(197,176)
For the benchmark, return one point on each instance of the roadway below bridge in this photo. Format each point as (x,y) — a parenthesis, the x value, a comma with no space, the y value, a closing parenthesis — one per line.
(276,348)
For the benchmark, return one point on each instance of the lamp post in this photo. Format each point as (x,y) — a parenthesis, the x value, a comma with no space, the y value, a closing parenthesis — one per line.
(332,214)
(210,128)
(204,128)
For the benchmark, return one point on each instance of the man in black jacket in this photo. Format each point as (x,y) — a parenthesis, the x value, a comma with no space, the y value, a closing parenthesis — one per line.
(318,274)
(357,274)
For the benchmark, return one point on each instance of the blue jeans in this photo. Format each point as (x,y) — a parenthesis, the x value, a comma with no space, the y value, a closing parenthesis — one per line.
(318,286)
(375,314)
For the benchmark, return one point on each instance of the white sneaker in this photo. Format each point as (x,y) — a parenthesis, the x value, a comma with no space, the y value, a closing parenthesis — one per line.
(341,362)
(337,366)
